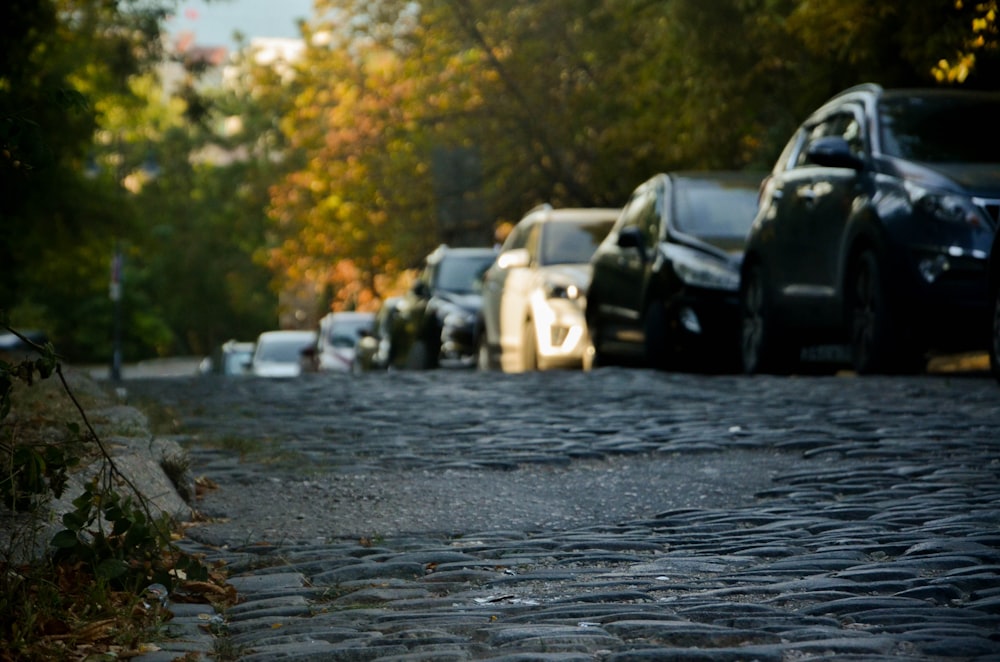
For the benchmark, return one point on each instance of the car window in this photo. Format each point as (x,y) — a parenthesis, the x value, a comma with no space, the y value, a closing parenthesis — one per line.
(649,219)
(843,124)
(518,237)
(532,236)
(713,209)
(941,128)
(461,273)
(282,351)
(345,333)
(571,242)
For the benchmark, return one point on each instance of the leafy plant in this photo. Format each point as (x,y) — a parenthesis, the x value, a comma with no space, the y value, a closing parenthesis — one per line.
(112,550)
(119,542)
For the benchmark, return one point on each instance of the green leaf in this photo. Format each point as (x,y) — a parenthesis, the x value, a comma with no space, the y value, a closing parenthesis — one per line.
(110,569)
(65,539)
(73,521)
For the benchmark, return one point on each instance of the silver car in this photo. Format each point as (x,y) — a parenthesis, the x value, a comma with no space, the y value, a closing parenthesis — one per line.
(533,295)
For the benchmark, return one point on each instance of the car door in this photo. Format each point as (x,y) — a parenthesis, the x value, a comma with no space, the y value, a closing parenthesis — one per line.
(515,294)
(830,201)
(620,265)
(495,279)
(810,209)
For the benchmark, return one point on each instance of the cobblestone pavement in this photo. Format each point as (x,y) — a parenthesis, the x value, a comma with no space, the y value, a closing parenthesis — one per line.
(612,515)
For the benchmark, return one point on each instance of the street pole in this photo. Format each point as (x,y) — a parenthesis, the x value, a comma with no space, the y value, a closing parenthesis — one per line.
(115,292)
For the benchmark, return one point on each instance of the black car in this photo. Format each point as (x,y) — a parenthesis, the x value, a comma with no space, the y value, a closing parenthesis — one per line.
(436,321)
(874,230)
(665,280)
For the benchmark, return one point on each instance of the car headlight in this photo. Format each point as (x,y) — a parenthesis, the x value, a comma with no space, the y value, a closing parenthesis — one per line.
(556,290)
(947,207)
(699,270)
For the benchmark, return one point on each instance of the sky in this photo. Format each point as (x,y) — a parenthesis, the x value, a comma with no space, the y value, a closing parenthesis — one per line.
(214,23)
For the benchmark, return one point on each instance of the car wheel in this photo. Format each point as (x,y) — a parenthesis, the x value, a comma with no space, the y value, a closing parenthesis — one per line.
(655,336)
(419,356)
(594,357)
(875,345)
(764,346)
(529,352)
(995,344)
(483,361)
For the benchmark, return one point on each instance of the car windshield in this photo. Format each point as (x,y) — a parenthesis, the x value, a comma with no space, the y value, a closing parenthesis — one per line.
(940,128)
(572,242)
(713,209)
(283,350)
(460,273)
(345,333)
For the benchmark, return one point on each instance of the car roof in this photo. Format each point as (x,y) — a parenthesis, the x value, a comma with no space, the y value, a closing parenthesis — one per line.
(441,251)
(546,214)
(349,314)
(287,334)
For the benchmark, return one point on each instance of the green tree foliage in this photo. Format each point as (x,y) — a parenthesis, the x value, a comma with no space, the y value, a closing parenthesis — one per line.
(96,156)
(331,175)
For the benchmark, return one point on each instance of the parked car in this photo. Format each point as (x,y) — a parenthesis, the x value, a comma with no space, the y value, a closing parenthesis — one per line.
(436,320)
(338,337)
(874,230)
(281,353)
(665,280)
(14,349)
(232,358)
(533,294)
(994,297)
(374,350)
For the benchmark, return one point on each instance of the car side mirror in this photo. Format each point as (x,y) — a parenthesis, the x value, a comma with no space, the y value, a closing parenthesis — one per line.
(421,290)
(833,152)
(631,237)
(514,258)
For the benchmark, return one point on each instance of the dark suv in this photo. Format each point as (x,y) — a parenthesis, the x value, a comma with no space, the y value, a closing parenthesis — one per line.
(435,322)
(874,229)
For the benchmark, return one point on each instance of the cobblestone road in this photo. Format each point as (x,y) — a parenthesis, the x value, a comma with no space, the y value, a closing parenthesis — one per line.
(612,515)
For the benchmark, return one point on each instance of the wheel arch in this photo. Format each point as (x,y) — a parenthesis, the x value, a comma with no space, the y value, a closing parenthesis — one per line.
(865,234)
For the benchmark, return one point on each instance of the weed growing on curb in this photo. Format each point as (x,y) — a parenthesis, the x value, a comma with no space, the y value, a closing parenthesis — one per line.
(87,596)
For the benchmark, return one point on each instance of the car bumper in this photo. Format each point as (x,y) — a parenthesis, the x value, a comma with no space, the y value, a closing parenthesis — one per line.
(945,297)
(561,329)
(458,343)
(705,322)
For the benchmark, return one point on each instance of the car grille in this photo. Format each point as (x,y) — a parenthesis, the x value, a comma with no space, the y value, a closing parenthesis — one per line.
(991,207)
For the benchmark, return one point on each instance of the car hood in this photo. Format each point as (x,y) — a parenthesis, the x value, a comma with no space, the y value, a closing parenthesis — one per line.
(469,302)
(727,249)
(980,179)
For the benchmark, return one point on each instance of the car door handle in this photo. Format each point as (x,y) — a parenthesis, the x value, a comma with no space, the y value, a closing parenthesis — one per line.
(806,193)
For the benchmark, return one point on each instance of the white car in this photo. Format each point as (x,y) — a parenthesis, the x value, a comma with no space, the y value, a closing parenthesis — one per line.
(533,295)
(338,338)
(281,353)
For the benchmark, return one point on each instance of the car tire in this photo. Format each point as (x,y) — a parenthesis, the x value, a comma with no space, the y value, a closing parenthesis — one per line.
(484,361)
(657,355)
(419,356)
(594,357)
(764,346)
(529,348)
(995,342)
(876,345)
